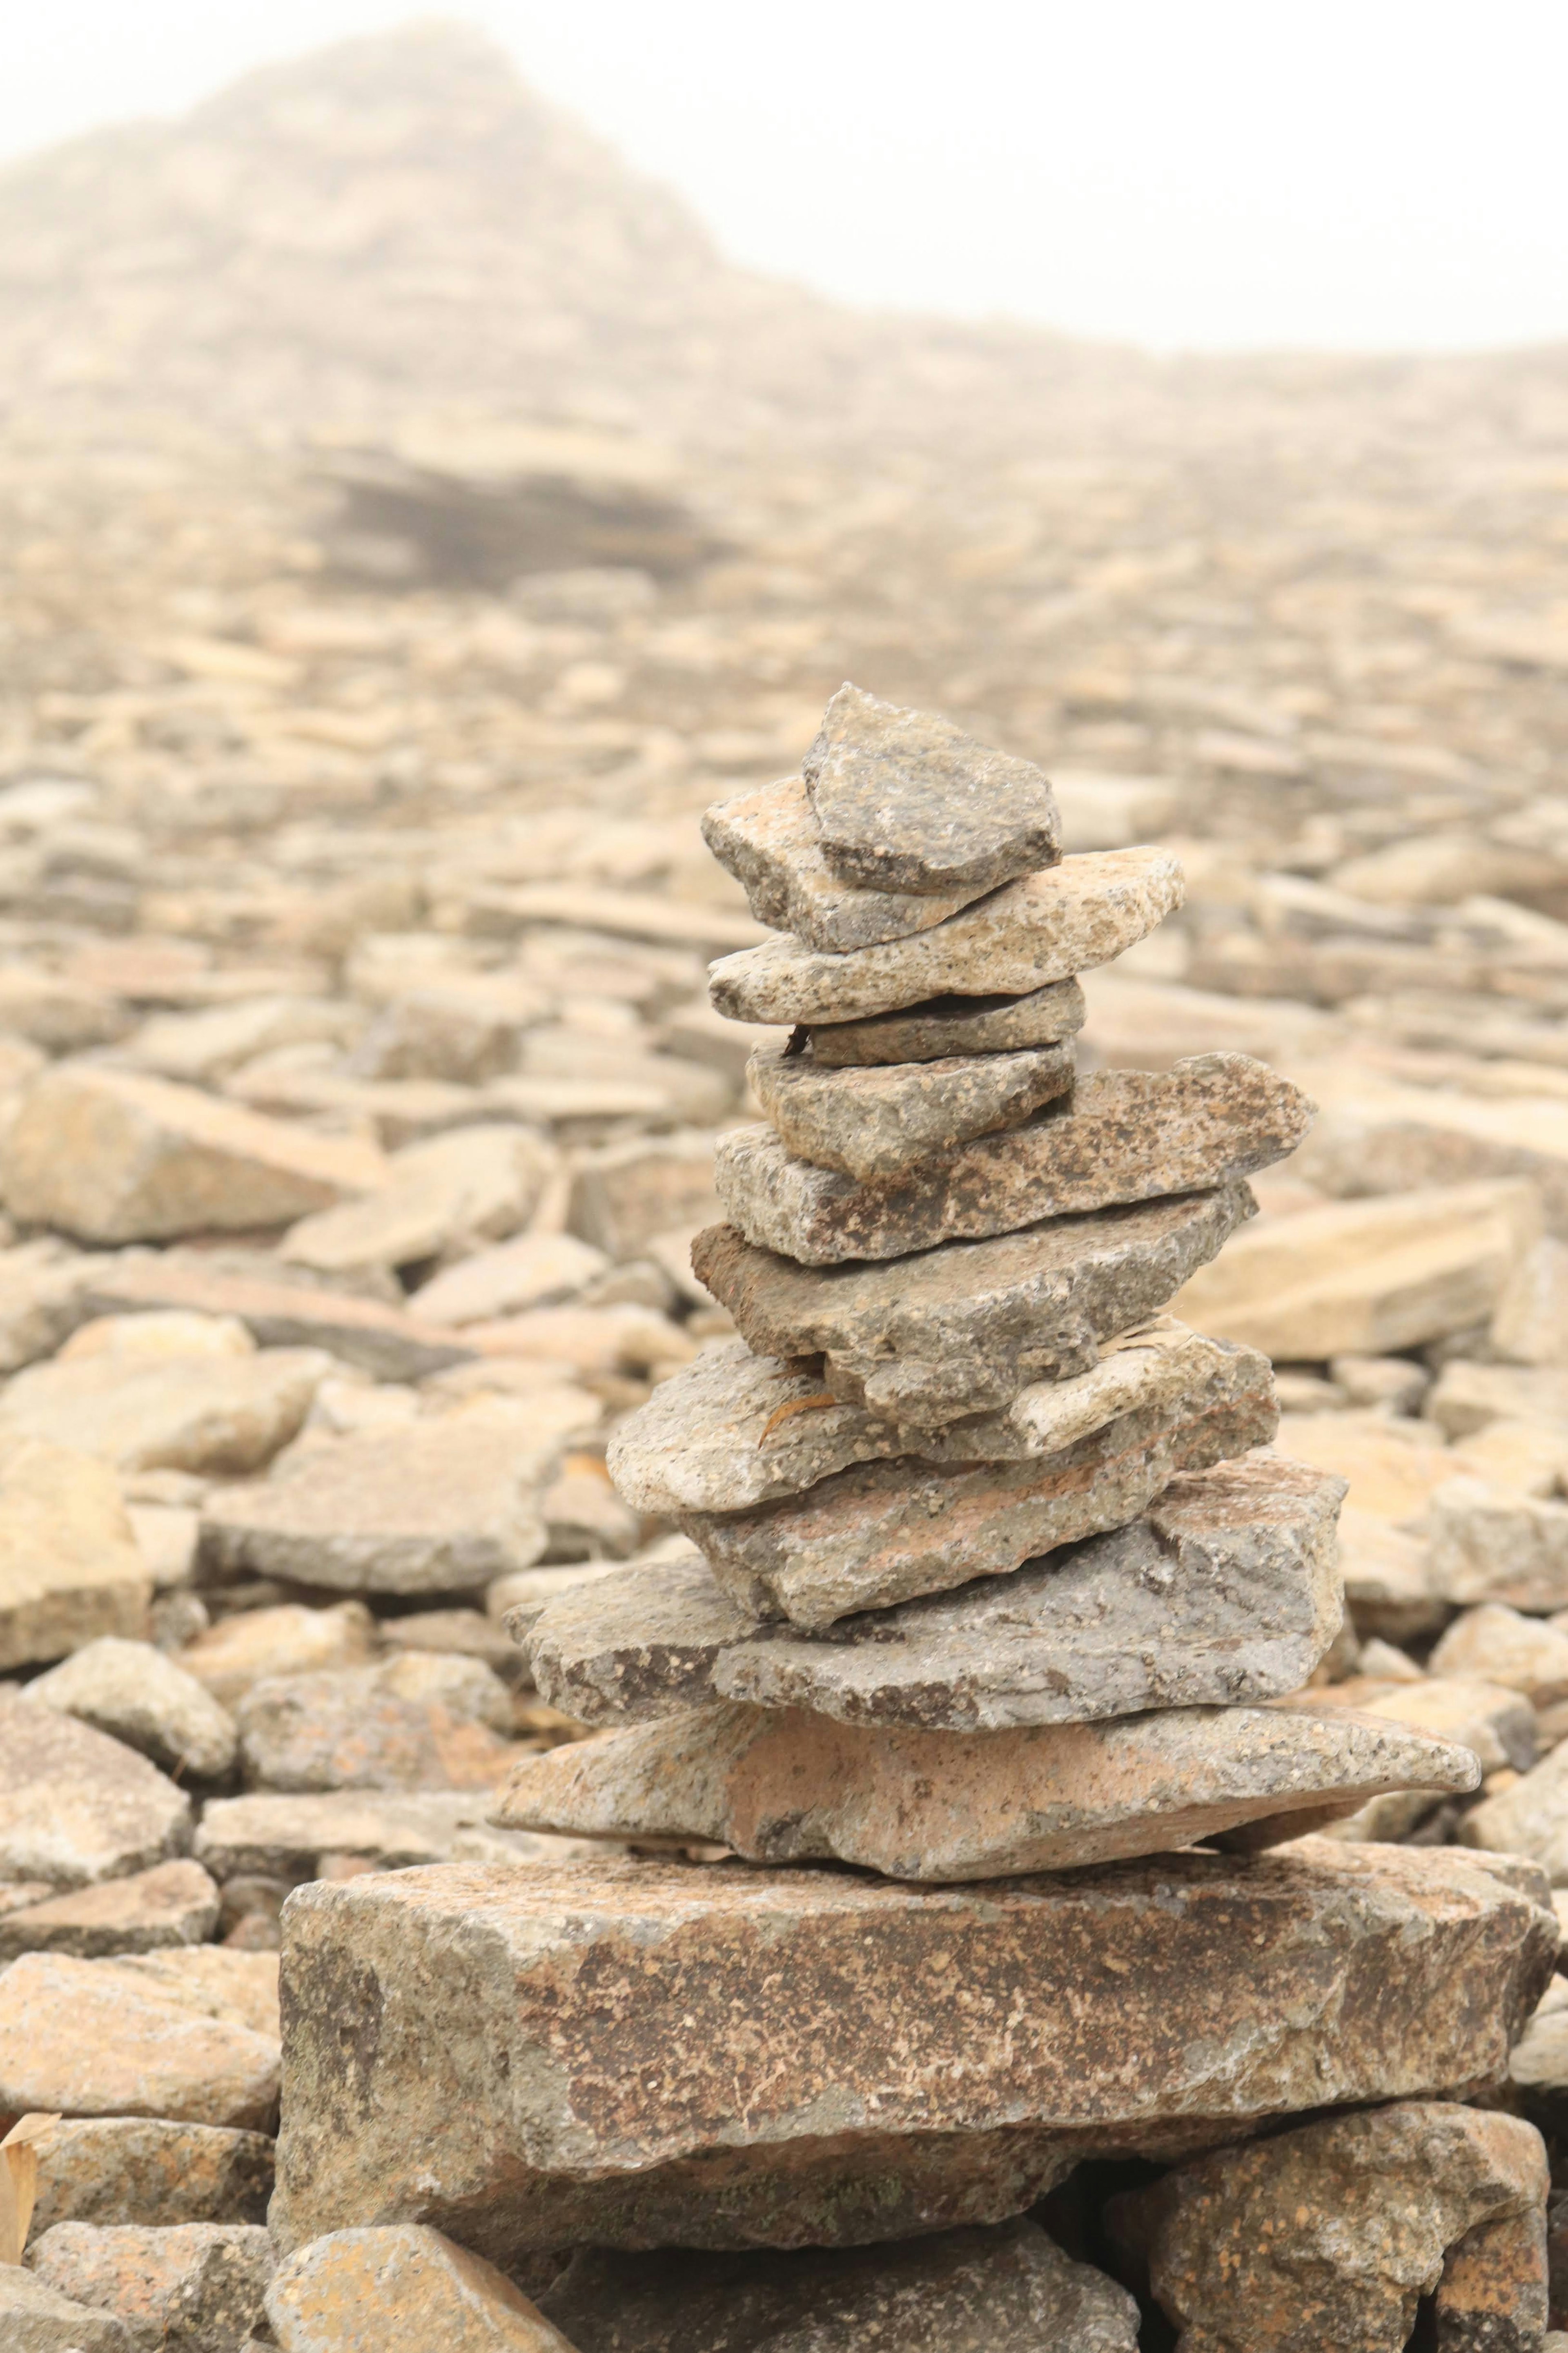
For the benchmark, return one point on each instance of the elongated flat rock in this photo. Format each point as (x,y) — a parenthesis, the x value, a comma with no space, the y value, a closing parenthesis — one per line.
(1120,1136)
(657,2053)
(768,839)
(731,1430)
(960,1330)
(906,801)
(953,1025)
(1045,928)
(887,1532)
(877,1123)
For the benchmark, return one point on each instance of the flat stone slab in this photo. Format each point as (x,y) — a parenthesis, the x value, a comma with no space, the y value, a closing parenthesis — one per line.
(639,2054)
(906,801)
(1118,1136)
(768,839)
(1045,928)
(278,1836)
(782,1786)
(887,1532)
(173,1903)
(76,1807)
(875,1124)
(962,1329)
(953,1025)
(191,2036)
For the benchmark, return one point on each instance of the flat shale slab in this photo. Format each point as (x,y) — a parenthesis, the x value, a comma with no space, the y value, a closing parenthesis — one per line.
(953,1025)
(877,1123)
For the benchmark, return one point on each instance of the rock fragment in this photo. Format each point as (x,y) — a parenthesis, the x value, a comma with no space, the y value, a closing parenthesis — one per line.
(76,1808)
(1492,1544)
(285,1837)
(146,2170)
(768,839)
(422,1720)
(952,1025)
(136,1694)
(196,2284)
(70,1570)
(399,2284)
(36,2318)
(138,2037)
(173,1904)
(876,1124)
(212,1416)
(471,1184)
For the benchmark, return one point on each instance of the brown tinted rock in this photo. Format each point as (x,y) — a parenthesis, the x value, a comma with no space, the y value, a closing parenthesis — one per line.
(197,2286)
(906,801)
(952,1025)
(69,1567)
(138,2037)
(1387,1579)
(1499,1646)
(211,1415)
(286,1838)
(289,1640)
(402,2286)
(886,1531)
(173,1904)
(1330,2234)
(1530,1818)
(76,1807)
(114,1157)
(380,1340)
(658,2053)
(36,2318)
(136,1694)
(419,1721)
(474,1184)
(1045,928)
(1469,1397)
(768,839)
(1497,1727)
(875,1124)
(1005,2290)
(962,1329)
(143,2169)
(1120,1136)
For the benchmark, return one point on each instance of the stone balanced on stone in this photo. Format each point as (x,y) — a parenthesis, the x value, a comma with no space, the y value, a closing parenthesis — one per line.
(988,1582)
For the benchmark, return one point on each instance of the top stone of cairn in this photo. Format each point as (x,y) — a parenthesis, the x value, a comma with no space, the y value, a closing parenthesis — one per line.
(907,802)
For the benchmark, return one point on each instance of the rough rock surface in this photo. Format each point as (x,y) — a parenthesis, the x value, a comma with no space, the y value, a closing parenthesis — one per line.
(217,1417)
(906,801)
(422,1720)
(1492,1544)
(1531,1818)
(146,2170)
(637,1645)
(76,1807)
(194,2286)
(173,1904)
(962,1329)
(636,2055)
(1045,928)
(952,1025)
(69,1566)
(133,1692)
(404,2285)
(288,1640)
(768,839)
(36,2318)
(875,1124)
(142,2036)
(1120,1136)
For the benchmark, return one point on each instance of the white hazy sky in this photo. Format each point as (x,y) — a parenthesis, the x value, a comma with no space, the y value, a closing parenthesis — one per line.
(1215,173)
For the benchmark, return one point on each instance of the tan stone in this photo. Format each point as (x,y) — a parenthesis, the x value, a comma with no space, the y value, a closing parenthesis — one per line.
(193,2283)
(227,1658)
(471,1184)
(1492,1544)
(1393,1468)
(622,1195)
(1380,1137)
(420,1721)
(1387,1580)
(146,2169)
(1498,1726)
(1498,1646)
(1468,1398)
(1531,1323)
(876,1124)
(402,2284)
(288,1838)
(216,1416)
(76,1808)
(173,1904)
(1530,1818)
(43,1284)
(136,1694)
(380,1340)
(533,1270)
(36,2318)
(69,1567)
(137,2037)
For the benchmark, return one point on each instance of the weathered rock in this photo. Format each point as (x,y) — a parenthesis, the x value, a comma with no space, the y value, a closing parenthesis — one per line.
(442,1505)
(379,1339)
(768,839)
(906,801)
(1330,2234)
(1120,1136)
(887,1532)
(1499,1646)
(421,1721)
(74,1807)
(402,2286)
(214,1416)
(1387,1581)
(1045,928)
(473,1184)
(287,1837)
(1468,1398)
(289,1640)
(876,1124)
(623,1194)
(194,2286)
(138,2037)
(960,1330)
(783,1786)
(1367,1275)
(173,1904)
(134,1693)
(69,1566)
(1490,1544)
(952,1025)
(1531,1818)
(111,1156)
(636,2055)
(637,1645)
(36,2318)
(1005,2290)
(533,1270)
(143,2169)
(1498,1726)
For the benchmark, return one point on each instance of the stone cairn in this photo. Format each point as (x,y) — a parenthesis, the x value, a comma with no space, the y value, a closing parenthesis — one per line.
(990,1595)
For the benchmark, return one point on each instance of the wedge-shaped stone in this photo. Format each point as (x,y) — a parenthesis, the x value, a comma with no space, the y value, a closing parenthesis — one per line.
(173,1903)
(768,839)
(962,1329)
(731,1430)
(877,1123)
(1120,1136)
(641,2054)
(887,1532)
(783,1786)
(906,801)
(953,1025)
(1045,928)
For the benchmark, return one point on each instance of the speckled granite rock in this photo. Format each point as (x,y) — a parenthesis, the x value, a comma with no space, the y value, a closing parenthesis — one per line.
(962,1329)
(952,1025)
(874,1123)
(768,839)
(194,2287)
(635,1645)
(146,2170)
(1047,927)
(1120,1136)
(643,2055)
(906,801)
(406,2286)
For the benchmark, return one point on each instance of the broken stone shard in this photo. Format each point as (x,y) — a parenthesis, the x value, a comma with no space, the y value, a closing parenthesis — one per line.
(637,1645)
(402,2286)
(962,1329)
(1045,928)
(874,1123)
(952,1025)
(905,801)
(654,2053)
(1120,1136)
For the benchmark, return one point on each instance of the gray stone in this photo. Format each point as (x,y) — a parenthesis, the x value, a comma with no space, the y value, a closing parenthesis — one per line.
(887,1532)
(173,1903)
(194,2287)
(1045,928)
(76,1807)
(783,1786)
(285,1837)
(906,801)
(144,2170)
(1008,2289)
(1118,1136)
(875,1124)
(136,1694)
(962,1329)
(633,1646)
(768,839)
(952,1025)
(36,2318)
